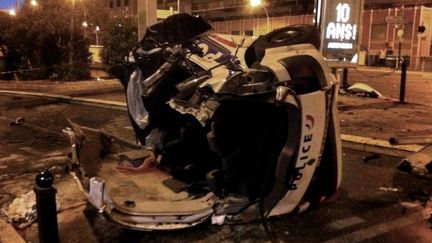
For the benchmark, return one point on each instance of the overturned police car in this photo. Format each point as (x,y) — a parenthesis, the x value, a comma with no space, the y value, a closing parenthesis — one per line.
(226,126)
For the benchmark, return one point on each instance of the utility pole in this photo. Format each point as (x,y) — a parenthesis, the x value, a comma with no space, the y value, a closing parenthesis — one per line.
(146,15)
(71,40)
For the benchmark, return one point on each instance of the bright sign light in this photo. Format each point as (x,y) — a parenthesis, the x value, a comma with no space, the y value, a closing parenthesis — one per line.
(340,29)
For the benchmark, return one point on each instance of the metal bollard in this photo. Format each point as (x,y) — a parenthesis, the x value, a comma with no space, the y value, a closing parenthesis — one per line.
(345,84)
(403,82)
(46,208)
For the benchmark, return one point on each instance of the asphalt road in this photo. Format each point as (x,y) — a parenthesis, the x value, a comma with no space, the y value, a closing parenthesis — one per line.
(387,82)
(376,203)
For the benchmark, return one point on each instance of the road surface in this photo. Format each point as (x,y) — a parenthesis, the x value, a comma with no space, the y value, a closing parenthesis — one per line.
(376,203)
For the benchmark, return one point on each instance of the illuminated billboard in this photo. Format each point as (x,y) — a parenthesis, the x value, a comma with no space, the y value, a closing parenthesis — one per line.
(340,28)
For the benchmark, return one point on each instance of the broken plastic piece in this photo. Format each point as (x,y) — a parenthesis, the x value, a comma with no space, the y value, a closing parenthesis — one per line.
(419,163)
(364,89)
(370,157)
(97,187)
(388,189)
(218,219)
(18,121)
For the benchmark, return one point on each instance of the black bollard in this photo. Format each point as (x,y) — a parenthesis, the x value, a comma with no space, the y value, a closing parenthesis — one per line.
(46,208)
(403,82)
(345,84)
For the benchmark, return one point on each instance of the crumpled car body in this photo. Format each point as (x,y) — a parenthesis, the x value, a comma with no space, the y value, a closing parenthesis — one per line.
(237,126)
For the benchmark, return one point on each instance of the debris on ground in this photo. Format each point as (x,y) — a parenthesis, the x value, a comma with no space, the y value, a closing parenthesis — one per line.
(373,156)
(427,211)
(409,205)
(22,211)
(17,122)
(419,163)
(388,189)
(364,90)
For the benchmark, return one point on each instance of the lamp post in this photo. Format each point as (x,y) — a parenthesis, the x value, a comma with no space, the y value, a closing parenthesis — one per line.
(84,24)
(258,3)
(97,36)
(71,29)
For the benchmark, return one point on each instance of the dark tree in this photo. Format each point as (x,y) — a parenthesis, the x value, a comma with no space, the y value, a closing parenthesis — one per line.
(51,40)
(120,37)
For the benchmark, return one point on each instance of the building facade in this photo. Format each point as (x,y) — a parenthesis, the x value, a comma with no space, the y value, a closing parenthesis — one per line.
(395,22)
(378,28)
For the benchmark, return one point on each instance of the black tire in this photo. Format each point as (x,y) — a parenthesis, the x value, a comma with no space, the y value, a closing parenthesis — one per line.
(290,35)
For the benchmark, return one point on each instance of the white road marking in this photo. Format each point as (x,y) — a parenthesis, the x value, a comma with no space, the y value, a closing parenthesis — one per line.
(344,223)
(379,229)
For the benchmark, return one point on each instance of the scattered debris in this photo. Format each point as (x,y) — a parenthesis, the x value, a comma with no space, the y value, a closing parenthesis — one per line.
(218,219)
(419,163)
(373,156)
(410,204)
(22,211)
(427,211)
(405,206)
(17,122)
(388,189)
(365,90)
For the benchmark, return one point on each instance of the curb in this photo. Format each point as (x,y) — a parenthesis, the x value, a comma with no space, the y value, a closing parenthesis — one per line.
(365,144)
(373,145)
(116,105)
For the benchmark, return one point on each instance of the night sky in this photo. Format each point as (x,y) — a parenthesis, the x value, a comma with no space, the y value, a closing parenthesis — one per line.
(8,4)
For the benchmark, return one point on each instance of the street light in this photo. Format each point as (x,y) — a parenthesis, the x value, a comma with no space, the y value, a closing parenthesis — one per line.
(34,3)
(258,3)
(12,12)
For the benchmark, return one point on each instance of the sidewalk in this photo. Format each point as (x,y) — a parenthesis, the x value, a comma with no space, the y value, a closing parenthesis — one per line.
(81,88)
(380,118)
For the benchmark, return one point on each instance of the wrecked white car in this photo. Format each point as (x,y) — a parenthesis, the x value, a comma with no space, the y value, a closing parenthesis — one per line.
(226,127)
